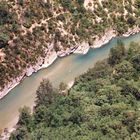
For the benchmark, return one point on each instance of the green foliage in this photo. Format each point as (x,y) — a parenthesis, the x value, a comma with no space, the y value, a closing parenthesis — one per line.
(103,104)
(5,15)
(45,94)
(20,2)
(24,117)
(124,69)
(81,2)
(21,134)
(138,3)
(136,62)
(116,53)
(62,86)
(50,20)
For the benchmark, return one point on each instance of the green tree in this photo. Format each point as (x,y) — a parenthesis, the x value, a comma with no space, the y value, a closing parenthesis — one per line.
(25,116)
(136,62)
(116,53)
(62,86)
(40,114)
(124,70)
(20,134)
(45,93)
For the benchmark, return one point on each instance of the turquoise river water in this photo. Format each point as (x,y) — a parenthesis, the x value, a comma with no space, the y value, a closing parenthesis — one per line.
(62,70)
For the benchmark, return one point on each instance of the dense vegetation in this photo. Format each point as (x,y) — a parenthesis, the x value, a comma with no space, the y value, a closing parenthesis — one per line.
(28,27)
(103,104)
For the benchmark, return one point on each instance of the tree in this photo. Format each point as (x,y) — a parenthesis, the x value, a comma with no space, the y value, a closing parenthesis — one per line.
(124,70)
(138,3)
(25,116)
(81,2)
(136,62)
(3,40)
(131,88)
(131,20)
(40,114)
(21,2)
(45,93)
(5,14)
(116,53)
(62,86)
(133,50)
(20,134)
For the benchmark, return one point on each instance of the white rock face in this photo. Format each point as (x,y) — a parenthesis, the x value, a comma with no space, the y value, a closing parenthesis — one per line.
(42,63)
(135,30)
(88,4)
(11,85)
(51,56)
(83,48)
(49,59)
(104,39)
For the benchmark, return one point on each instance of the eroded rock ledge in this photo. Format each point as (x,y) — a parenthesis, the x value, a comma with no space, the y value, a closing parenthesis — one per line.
(52,55)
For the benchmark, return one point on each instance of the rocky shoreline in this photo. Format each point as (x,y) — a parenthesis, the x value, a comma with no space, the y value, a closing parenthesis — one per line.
(51,56)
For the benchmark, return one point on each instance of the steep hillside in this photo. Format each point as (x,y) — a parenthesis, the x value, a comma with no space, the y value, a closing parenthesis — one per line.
(103,104)
(30,30)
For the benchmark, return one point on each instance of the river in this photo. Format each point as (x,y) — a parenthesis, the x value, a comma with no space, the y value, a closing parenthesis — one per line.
(62,70)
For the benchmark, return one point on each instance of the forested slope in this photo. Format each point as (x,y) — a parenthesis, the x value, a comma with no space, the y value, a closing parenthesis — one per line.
(103,104)
(28,27)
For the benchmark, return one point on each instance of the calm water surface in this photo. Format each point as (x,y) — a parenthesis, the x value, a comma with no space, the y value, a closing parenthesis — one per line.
(63,69)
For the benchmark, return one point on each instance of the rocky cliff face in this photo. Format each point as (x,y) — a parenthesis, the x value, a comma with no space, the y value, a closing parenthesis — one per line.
(29,28)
